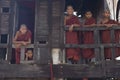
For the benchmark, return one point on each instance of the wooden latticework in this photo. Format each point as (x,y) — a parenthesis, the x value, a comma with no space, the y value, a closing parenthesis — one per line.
(49,34)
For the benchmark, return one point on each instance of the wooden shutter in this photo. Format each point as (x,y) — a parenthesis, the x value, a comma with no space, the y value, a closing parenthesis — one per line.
(49,16)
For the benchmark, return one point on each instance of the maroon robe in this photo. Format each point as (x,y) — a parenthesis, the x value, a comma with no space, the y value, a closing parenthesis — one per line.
(117,40)
(24,37)
(21,37)
(88,39)
(72,38)
(106,38)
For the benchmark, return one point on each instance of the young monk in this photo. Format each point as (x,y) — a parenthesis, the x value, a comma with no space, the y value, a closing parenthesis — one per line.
(88,36)
(29,55)
(106,38)
(72,36)
(22,38)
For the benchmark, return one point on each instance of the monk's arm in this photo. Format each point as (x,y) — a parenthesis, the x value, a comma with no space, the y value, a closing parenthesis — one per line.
(29,41)
(91,25)
(76,22)
(76,25)
(15,39)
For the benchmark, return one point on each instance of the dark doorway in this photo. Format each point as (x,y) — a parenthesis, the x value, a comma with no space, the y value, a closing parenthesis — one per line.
(26,14)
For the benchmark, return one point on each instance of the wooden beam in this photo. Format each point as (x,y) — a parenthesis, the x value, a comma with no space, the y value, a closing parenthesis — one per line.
(93,28)
(91,45)
(24,70)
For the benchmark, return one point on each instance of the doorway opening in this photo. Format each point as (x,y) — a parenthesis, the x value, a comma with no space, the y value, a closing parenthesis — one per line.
(25,14)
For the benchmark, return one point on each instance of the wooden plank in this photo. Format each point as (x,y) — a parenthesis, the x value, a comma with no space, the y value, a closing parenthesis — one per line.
(91,45)
(11,25)
(77,71)
(24,70)
(40,78)
(60,70)
(3,45)
(4,29)
(28,46)
(5,3)
(42,32)
(93,28)
(57,8)
(112,35)
(113,69)
(41,38)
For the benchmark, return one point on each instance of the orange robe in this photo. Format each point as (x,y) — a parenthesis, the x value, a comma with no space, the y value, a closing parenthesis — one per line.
(72,38)
(88,39)
(117,40)
(21,37)
(106,38)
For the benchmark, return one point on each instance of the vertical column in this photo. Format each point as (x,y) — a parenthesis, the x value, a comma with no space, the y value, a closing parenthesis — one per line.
(41,37)
(11,25)
(97,42)
(112,33)
(6,25)
(57,11)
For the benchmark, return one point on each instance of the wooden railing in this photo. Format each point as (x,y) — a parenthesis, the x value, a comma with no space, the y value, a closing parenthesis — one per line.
(98,45)
(22,53)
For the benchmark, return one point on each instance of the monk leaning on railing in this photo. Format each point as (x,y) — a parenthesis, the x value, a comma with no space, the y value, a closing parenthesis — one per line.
(22,38)
(88,36)
(106,37)
(72,36)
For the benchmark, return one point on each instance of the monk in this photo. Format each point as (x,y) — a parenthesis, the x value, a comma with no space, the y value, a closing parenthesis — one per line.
(72,36)
(88,36)
(106,21)
(29,55)
(22,38)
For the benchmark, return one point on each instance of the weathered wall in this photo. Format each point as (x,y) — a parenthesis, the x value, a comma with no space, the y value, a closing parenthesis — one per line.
(4,16)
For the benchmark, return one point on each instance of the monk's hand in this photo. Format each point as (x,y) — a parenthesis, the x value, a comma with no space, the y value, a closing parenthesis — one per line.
(71,28)
(18,45)
(108,25)
(24,43)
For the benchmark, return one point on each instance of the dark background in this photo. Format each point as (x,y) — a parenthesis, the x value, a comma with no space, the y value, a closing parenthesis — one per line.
(83,5)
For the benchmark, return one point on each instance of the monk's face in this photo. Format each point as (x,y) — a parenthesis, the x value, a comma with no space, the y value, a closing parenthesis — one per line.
(70,10)
(106,14)
(23,29)
(29,53)
(88,14)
